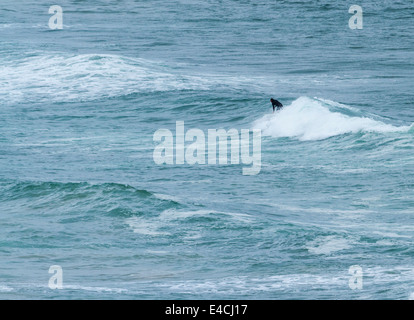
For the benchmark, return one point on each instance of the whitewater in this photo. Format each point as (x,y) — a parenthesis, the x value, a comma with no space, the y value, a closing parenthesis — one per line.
(315,119)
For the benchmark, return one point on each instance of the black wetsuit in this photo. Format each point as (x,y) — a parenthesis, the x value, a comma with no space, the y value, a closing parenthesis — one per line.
(276,104)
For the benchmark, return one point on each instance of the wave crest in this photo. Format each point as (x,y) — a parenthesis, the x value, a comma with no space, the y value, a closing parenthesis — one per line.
(313,119)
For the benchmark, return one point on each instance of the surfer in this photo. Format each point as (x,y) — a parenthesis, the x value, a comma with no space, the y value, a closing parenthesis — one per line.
(276,104)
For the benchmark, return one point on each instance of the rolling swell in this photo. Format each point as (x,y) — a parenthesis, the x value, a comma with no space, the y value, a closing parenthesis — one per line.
(111,198)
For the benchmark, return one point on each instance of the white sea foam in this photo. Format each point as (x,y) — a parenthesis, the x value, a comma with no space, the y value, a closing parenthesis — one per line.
(95,289)
(87,77)
(310,119)
(144,227)
(296,282)
(328,245)
(378,277)
(166,197)
(336,104)
(5,288)
(174,214)
(391,235)
(26,26)
(153,226)
(245,285)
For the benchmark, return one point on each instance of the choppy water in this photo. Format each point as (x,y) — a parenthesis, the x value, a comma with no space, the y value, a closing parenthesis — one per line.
(79,187)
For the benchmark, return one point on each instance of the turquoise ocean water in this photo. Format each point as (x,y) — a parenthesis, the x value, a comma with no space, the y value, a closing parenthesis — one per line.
(79,187)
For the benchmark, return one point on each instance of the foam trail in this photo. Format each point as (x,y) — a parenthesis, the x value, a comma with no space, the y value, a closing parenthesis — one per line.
(309,119)
(86,77)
